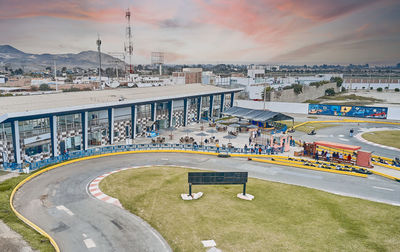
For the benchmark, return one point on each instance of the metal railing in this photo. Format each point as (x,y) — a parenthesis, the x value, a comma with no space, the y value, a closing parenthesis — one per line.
(27,166)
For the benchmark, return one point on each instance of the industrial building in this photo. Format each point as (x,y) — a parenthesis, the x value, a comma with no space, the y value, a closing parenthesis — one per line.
(37,127)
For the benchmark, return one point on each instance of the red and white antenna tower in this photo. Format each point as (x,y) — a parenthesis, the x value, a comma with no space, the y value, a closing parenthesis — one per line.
(128,37)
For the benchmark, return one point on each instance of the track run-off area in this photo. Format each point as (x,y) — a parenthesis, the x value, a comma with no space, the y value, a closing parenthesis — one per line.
(58,204)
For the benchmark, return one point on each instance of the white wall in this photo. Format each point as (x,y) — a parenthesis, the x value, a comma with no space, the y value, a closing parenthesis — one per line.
(393,113)
(367,86)
(283,107)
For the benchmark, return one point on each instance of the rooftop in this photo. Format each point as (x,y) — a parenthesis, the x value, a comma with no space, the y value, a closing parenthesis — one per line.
(15,106)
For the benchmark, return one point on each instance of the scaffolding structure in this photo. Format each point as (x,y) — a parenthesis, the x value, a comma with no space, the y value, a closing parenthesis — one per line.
(157,58)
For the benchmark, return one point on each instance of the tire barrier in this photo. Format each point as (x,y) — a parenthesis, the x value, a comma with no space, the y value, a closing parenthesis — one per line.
(309,167)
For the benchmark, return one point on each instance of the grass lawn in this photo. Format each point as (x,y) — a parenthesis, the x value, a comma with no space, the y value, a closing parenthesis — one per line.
(385,137)
(280,218)
(35,240)
(351,97)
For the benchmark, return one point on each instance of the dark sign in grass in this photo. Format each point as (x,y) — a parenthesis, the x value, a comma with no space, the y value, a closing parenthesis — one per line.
(281,218)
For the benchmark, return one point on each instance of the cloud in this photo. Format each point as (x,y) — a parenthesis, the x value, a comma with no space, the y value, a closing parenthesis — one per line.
(89,10)
(274,20)
(320,10)
(362,34)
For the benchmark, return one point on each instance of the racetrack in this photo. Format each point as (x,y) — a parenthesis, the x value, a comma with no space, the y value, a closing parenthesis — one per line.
(340,134)
(58,201)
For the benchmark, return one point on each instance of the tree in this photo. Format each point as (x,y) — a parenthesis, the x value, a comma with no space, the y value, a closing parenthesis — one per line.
(44,87)
(338,80)
(330,92)
(266,91)
(297,88)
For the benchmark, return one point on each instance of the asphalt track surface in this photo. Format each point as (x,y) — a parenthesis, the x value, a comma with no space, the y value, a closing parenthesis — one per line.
(340,134)
(58,200)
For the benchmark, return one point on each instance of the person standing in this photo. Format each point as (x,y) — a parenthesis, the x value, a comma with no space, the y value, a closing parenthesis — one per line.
(217,145)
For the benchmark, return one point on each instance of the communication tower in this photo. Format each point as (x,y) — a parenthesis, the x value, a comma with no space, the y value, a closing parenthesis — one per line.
(128,37)
(98,42)
(157,58)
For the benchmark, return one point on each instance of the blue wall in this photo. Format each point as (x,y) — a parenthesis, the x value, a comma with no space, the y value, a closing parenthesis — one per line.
(350,111)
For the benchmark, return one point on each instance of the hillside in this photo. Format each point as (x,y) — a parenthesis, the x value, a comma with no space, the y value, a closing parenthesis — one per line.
(15,58)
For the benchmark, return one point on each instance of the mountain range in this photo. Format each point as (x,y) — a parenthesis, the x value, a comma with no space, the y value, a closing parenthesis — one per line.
(14,58)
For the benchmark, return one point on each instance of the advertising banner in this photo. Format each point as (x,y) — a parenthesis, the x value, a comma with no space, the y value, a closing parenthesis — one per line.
(350,111)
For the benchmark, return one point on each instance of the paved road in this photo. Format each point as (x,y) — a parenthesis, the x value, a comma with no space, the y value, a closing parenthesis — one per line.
(340,134)
(59,203)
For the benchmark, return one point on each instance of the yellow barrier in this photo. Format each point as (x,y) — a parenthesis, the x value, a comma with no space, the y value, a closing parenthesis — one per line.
(385,175)
(53,242)
(287,163)
(42,232)
(387,166)
(345,121)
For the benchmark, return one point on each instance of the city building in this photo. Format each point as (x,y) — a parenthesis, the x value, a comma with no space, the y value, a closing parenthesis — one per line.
(187,76)
(36,127)
(254,71)
(3,79)
(371,83)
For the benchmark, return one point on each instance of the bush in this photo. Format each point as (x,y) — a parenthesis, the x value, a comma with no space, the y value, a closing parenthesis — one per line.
(338,80)
(312,101)
(371,88)
(343,89)
(44,87)
(396,90)
(379,89)
(34,88)
(318,83)
(74,89)
(330,92)
(297,88)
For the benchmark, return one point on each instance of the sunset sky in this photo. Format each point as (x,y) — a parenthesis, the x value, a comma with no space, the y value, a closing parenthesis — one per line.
(211,31)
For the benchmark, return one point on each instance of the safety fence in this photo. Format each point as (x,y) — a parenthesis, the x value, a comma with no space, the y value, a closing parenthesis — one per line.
(27,167)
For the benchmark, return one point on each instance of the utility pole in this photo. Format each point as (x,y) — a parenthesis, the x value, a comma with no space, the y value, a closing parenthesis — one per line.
(55,75)
(98,42)
(265,92)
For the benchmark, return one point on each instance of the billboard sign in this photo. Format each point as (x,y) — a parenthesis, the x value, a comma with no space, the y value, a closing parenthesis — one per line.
(350,111)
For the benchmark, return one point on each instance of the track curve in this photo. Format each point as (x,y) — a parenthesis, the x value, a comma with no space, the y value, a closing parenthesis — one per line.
(58,200)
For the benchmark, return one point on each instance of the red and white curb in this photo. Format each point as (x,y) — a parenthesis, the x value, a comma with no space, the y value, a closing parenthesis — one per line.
(95,191)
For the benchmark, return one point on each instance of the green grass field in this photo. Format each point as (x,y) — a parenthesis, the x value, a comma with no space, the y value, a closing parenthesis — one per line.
(281,218)
(385,137)
(35,240)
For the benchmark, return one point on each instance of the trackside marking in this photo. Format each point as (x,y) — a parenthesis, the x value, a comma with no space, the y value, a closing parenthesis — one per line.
(63,208)
(89,243)
(383,188)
